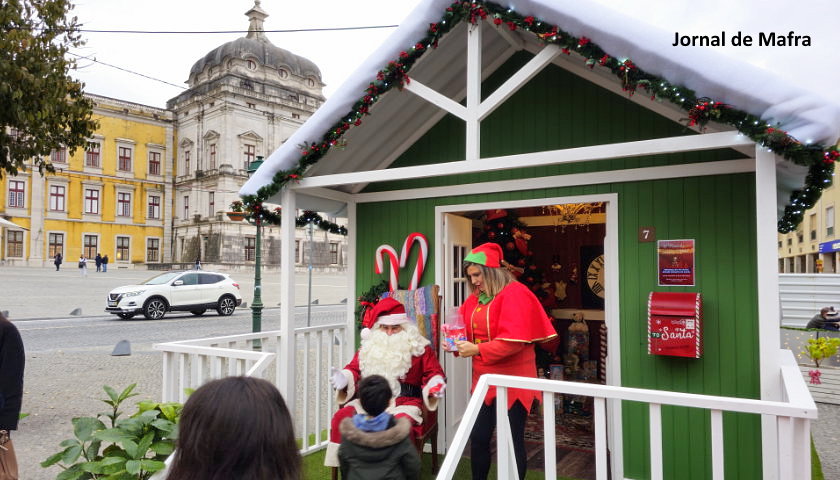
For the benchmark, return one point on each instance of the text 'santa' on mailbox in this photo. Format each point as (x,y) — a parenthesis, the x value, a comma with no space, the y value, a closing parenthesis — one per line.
(674,320)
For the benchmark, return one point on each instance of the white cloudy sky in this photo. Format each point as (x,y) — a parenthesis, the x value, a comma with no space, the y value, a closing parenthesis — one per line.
(169,57)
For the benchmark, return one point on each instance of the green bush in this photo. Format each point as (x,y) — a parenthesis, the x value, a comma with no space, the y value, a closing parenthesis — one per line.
(132,448)
(821,348)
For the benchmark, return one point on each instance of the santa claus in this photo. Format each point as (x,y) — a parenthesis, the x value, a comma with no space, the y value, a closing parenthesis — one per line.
(393,347)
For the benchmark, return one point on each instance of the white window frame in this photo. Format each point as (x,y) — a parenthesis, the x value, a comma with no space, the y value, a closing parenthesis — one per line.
(19,195)
(159,206)
(99,141)
(159,253)
(117,249)
(60,203)
(123,204)
(22,243)
(829,221)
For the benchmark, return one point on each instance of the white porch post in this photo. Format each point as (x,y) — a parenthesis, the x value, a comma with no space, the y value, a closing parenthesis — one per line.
(473,91)
(768,302)
(349,338)
(287,358)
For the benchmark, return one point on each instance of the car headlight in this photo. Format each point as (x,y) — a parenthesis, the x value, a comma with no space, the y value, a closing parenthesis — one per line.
(133,294)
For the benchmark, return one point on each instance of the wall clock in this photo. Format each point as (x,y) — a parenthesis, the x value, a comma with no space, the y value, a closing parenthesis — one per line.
(595,276)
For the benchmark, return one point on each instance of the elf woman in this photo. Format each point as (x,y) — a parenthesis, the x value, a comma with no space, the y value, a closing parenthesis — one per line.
(503,319)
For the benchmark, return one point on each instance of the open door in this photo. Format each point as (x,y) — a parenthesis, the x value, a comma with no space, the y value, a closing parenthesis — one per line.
(457,242)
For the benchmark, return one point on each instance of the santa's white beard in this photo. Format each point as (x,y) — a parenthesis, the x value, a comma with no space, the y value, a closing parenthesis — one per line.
(390,355)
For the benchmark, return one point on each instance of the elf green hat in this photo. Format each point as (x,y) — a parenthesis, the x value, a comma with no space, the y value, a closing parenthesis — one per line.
(488,254)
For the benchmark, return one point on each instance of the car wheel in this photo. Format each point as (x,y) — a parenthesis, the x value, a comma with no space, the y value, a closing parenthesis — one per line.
(154,308)
(198,312)
(226,306)
(125,316)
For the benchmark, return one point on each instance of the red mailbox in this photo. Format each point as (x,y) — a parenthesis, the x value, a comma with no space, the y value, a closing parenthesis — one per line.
(674,320)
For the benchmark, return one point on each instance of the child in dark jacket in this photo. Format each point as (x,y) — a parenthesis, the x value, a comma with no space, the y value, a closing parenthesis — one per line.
(377,445)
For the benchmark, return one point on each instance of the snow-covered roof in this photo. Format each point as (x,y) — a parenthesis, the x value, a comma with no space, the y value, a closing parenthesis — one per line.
(804,115)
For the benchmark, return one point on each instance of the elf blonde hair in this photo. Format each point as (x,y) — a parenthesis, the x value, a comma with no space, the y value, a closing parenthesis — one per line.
(495,279)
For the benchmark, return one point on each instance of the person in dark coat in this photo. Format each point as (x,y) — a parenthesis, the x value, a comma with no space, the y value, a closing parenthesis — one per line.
(105,263)
(57,261)
(377,444)
(98,261)
(827,319)
(11,393)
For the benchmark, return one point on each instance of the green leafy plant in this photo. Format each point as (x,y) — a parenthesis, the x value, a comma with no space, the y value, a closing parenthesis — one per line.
(818,349)
(132,448)
(237,206)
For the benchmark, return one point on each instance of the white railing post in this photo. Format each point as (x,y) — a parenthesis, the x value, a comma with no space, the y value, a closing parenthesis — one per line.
(550,437)
(655,441)
(600,438)
(717,444)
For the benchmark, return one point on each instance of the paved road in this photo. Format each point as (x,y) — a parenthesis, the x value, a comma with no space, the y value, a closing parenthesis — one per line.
(45,293)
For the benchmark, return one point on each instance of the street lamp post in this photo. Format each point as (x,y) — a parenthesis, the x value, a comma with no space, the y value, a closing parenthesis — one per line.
(257,305)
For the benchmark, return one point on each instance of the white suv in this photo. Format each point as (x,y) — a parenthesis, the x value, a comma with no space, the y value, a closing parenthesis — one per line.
(193,291)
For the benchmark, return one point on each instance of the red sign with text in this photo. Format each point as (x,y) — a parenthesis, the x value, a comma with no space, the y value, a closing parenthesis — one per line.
(674,320)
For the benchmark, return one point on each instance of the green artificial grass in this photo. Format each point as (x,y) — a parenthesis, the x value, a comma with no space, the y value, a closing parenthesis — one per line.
(816,466)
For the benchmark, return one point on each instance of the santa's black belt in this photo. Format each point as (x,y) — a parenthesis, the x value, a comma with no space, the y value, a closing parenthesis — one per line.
(409,390)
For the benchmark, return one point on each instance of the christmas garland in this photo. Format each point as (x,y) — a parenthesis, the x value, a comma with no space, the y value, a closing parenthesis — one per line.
(700,110)
(274,217)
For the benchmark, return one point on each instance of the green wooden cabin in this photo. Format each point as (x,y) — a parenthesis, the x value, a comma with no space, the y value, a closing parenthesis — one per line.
(494,118)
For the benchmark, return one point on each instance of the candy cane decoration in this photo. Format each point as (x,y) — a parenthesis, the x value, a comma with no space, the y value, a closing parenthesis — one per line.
(392,253)
(421,258)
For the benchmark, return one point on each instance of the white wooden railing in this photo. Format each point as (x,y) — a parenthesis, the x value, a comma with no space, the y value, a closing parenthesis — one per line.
(792,415)
(191,363)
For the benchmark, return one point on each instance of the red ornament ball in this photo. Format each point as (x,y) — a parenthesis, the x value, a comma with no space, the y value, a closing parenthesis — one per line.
(521,262)
(491,235)
(500,225)
(510,246)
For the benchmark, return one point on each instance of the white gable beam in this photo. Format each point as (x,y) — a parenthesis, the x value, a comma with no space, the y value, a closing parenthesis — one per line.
(725,167)
(553,157)
(435,98)
(413,137)
(515,41)
(473,91)
(518,80)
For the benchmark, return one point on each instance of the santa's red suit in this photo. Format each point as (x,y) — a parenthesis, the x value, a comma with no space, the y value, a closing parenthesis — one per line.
(410,381)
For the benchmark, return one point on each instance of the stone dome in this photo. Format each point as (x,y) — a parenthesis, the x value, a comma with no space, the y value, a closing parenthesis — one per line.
(263,51)
(256,45)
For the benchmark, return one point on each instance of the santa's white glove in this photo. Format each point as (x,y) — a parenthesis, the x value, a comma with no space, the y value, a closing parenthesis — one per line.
(438,389)
(337,379)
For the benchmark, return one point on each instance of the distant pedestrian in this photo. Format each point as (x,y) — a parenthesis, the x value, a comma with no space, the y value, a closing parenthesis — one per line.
(197,264)
(83,265)
(105,263)
(827,319)
(11,392)
(57,261)
(98,261)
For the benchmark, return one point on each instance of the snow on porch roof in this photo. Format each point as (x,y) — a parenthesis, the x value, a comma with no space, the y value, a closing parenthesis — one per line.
(687,78)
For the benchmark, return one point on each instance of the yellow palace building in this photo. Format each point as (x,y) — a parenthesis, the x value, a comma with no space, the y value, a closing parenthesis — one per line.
(107,199)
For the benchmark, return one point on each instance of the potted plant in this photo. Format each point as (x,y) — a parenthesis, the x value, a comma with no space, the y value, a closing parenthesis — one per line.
(237,211)
(818,349)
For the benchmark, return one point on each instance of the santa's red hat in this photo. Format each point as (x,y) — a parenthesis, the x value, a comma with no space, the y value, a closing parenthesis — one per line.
(386,312)
(488,254)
